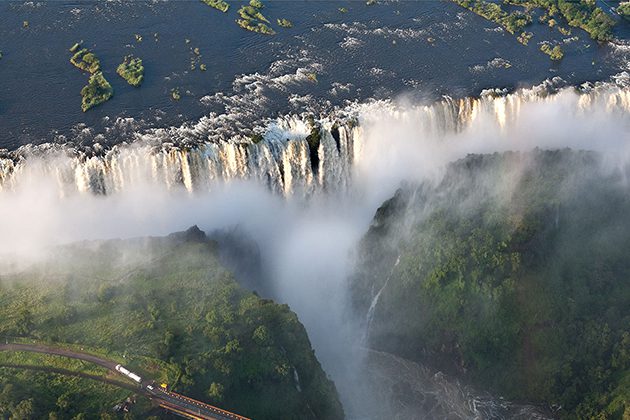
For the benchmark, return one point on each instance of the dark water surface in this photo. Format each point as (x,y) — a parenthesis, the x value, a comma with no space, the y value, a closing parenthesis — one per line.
(422,48)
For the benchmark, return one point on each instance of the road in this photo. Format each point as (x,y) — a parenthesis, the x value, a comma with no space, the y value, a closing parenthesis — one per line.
(176,403)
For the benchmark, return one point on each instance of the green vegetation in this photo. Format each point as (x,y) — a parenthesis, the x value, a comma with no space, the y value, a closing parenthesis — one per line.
(256,3)
(285,23)
(343,10)
(218,4)
(554,53)
(132,70)
(583,14)
(256,138)
(564,31)
(313,140)
(75,47)
(167,309)
(525,37)
(624,9)
(512,22)
(85,60)
(97,91)
(253,20)
(513,273)
(32,394)
(175,94)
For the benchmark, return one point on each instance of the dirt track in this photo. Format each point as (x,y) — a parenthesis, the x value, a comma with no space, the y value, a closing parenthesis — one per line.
(35,348)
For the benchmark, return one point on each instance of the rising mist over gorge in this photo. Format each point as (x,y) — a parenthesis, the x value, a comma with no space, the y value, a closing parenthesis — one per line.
(307,193)
(511,271)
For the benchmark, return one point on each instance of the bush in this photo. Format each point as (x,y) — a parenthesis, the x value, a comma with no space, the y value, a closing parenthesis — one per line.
(132,70)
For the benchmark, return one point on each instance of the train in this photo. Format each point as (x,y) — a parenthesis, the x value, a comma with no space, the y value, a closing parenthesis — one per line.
(128,373)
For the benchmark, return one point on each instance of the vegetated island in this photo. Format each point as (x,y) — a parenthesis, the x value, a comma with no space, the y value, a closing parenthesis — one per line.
(166,308)
(98,89)
(583,14)
(284,23)
(512,22)
(555,53)
(132,70)
(218,4)
(84,59)
(624,9)
(253,20)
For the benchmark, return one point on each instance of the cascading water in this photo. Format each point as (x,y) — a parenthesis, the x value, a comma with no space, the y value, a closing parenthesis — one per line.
(370,314)
(186,159)
(282,160)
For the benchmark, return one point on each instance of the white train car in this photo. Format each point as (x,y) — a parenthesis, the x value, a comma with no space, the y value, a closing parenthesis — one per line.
(128,373)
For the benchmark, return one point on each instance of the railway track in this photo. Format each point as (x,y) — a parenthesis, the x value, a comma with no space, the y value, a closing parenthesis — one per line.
(178,404)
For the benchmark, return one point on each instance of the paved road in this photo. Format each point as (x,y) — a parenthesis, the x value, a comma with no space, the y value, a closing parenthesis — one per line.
(179,404)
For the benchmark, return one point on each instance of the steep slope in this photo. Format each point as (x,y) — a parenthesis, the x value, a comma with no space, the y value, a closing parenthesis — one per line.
(167,308)
(512,271)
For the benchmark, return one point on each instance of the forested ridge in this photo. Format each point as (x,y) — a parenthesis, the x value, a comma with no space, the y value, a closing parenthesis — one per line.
(513,273)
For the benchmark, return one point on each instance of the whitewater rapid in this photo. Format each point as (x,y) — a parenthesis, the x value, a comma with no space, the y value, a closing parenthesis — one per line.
(283,160)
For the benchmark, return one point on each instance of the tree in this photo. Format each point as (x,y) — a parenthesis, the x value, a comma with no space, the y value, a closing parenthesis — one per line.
(24,322)
(23,411)
(216,391)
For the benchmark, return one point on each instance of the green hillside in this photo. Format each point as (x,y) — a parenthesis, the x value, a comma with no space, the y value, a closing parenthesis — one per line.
(166,308)
(514,274)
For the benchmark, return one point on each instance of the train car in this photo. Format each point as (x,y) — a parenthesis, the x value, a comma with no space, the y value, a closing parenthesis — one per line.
(128,373)
(135,377)
(121,369)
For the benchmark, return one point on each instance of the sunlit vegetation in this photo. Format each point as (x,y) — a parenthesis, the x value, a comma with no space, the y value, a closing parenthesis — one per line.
(175,95)
(343,10)
(75,47)
(555,53)
(85,60)
(513,22)
(253,20)
(525,37)
(285,23)
(564,31)
(516,279)
(624,9)
(158,305)
(583,14)
(256,3)
(97,91)
(218,4)
(132,70)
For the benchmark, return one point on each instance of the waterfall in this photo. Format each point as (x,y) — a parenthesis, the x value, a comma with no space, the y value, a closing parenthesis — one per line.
(370,314)
(180,158)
